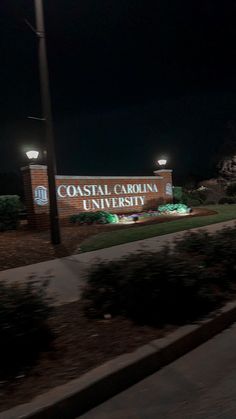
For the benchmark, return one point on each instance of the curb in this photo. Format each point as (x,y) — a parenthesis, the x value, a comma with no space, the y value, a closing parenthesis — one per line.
(82,394)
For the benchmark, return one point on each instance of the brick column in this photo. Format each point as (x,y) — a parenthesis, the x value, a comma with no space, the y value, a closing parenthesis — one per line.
(166,184)
(35,182)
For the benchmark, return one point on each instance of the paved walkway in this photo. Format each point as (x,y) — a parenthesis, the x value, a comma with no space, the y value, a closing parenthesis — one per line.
(200,385)
(68,274)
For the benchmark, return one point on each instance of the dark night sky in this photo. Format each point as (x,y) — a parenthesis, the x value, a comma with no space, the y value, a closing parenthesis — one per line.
(130,80)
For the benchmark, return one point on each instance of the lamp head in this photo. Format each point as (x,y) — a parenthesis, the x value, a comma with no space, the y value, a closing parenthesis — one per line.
(32,154)
(162,162)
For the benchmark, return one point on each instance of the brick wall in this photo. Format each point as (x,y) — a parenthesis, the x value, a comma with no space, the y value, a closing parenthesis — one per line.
(113,194)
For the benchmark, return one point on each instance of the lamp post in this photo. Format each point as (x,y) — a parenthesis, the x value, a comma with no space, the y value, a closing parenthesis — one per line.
(47,117)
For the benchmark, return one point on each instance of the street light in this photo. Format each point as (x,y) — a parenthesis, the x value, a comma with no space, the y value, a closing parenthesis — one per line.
(162,162)
(32,154)
(47,118)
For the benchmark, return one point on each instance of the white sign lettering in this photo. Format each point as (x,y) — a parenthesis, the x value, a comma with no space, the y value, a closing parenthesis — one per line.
(104,190)
(130,196)
(121,202)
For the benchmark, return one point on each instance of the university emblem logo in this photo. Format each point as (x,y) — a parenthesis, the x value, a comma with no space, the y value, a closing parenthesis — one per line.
(41,195)
(168,189)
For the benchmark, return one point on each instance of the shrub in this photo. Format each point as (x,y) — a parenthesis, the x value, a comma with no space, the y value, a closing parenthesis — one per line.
(24,330)
(195,197)
(168,287)
(177,193)
(231,189)
(9,212)
(194,202)
(99,217)
(201,195)
(172,208)
(226,200)
(149,288)
(217,253)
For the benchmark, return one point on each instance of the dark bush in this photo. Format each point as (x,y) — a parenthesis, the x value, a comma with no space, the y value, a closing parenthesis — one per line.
(99,217)
(24,330)
(226,200)
(171,286)
(194,202)
(9,212)
(231,190)
(194,198)
(177,193)
(216,252)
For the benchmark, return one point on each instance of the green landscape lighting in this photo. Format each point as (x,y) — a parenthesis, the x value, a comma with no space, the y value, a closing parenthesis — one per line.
(174,208)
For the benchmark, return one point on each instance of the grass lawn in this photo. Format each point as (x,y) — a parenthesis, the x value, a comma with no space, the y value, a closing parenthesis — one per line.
(102,240)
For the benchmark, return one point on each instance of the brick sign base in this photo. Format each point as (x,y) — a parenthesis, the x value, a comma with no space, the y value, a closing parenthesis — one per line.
(115,194)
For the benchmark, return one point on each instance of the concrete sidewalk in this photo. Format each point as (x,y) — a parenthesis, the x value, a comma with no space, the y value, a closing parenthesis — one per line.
(68,274)
(199,385)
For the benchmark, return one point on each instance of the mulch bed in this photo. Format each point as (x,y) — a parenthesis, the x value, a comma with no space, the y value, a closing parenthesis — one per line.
(79,346)
(24,247)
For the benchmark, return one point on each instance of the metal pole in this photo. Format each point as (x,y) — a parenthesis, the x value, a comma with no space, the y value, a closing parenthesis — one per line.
(47,115)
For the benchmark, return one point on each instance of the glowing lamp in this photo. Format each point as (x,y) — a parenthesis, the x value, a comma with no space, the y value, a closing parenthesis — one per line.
(32,154)
(162,162)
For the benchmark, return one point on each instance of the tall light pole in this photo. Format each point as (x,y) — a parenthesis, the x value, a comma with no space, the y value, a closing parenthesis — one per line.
(47,116)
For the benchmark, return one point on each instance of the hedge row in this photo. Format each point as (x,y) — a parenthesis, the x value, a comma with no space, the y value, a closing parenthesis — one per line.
(172,286)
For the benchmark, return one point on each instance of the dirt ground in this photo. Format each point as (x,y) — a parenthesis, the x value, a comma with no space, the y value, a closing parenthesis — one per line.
(78,347)
(25,247)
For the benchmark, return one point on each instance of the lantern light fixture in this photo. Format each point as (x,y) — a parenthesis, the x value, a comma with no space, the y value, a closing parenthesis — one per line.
(32,154)
(162,162)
